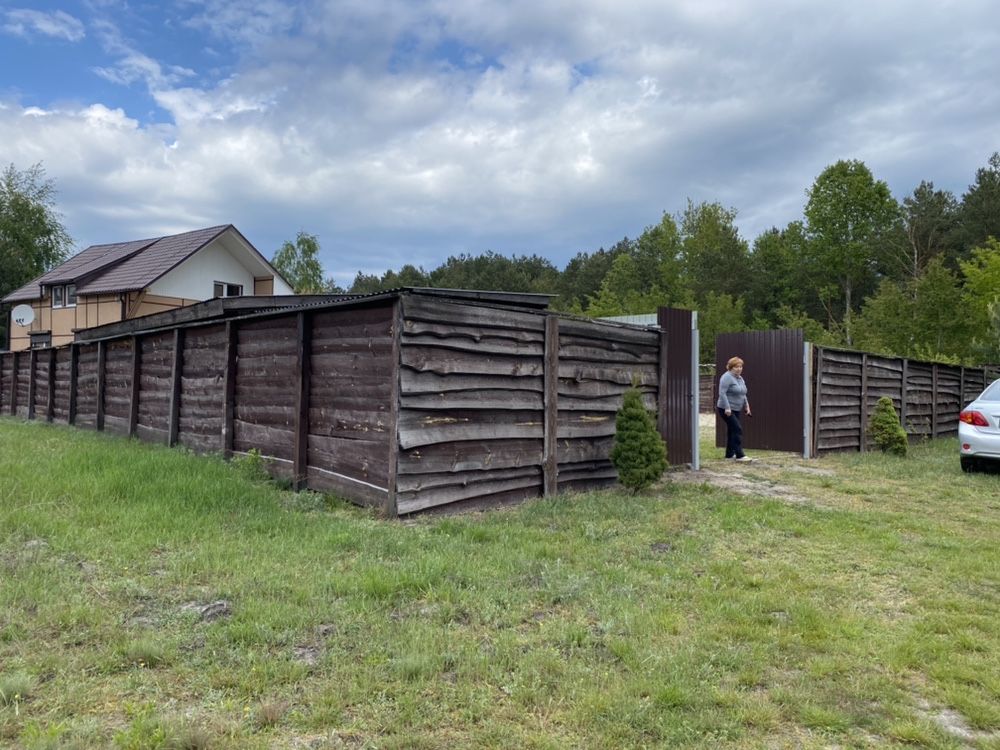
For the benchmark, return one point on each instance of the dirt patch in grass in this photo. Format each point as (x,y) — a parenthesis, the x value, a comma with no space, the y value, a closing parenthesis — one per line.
(764,477)
(742,483)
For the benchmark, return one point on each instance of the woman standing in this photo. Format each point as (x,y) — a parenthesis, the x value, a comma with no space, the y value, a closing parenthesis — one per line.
(732,402)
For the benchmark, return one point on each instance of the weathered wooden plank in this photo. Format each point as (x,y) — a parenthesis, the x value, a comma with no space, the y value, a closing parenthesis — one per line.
(608,331)
(643,375)
(471,455)
(480,502)
(485,399)
(417,483)
(589,350)
(268,439)
(410,502)
(601,395)
(360,493)
(266,414)
(437,310)
(485,345)
(423,330)
(417,428)
(412,382)
(365,460)
(373,320)
(272,392)
(579,450)
(199,425)
(150,434)
(377,347)
(607,403)
(200,442)
(365,424)
(469,363)
(586,424)
(589,471)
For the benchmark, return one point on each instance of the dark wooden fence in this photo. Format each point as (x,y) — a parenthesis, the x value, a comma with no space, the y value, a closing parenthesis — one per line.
(403,401)
(927,396)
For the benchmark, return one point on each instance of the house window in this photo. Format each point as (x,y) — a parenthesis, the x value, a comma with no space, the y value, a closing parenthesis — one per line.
(64,296)
(224,289)
(41,339)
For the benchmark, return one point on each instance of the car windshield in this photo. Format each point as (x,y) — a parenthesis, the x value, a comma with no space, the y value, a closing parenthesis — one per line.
(992,393)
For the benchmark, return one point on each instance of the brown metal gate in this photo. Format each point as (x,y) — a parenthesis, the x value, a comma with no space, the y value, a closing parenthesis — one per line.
(679,382)
(774,363)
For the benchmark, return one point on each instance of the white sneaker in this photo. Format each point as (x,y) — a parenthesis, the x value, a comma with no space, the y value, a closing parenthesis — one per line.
(744,459)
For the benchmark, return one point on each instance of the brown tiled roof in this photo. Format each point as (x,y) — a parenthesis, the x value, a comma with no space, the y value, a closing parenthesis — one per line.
(83,263)
(143,268)
(122,266)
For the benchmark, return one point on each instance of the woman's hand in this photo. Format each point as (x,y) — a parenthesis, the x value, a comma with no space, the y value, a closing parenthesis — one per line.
(729,412)
(748,411)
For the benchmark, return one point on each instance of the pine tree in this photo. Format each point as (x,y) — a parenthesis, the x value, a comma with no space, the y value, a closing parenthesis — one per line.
(885,429)
(639,454)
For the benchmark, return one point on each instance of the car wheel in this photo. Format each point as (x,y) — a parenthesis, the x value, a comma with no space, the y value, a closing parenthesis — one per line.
(969,464)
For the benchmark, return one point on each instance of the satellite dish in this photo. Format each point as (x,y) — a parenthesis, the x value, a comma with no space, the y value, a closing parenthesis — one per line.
(23,315)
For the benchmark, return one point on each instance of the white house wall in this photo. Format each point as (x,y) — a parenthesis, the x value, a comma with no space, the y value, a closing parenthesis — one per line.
(195,277)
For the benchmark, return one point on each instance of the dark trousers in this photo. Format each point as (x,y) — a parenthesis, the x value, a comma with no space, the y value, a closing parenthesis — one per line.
(734,434)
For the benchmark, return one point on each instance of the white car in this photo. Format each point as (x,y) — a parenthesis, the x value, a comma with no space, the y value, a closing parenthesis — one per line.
(979,430)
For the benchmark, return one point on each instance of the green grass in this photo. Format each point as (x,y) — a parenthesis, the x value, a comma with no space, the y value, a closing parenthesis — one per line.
(685,617)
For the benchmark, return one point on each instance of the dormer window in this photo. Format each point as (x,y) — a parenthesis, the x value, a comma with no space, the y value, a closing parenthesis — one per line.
(64,295)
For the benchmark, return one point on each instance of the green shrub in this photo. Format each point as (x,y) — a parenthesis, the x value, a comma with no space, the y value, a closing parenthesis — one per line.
(886,431)
(639,453)
(252,466)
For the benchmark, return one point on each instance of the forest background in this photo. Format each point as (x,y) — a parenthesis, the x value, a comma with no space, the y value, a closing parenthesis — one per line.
(917,277)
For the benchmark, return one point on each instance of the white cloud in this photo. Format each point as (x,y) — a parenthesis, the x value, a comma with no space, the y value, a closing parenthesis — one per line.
(59,24)
(405,131)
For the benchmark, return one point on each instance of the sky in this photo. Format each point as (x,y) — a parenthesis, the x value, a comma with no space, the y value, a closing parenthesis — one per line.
(406,131)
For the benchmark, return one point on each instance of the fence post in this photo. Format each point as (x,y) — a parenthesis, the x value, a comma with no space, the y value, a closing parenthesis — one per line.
(32,365)
(102,354)
(133,401)
(175,387)
(818,406)
(904,396)
(303,372)
(550,442)
(229,388)
(13,383)
(391,507)
(50,405)
(74,366)
(862,431)
(934,400)
(961,387)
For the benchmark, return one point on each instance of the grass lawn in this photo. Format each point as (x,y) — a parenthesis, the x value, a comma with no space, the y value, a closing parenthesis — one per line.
(860,609)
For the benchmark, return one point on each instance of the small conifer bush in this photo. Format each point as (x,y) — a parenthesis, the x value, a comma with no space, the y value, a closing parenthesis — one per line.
(886,431)
(639,453)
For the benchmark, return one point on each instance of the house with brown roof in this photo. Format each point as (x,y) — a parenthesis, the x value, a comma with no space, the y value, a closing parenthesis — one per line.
(109,283)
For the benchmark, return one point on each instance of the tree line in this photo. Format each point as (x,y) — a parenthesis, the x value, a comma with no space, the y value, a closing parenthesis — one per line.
(917,278)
